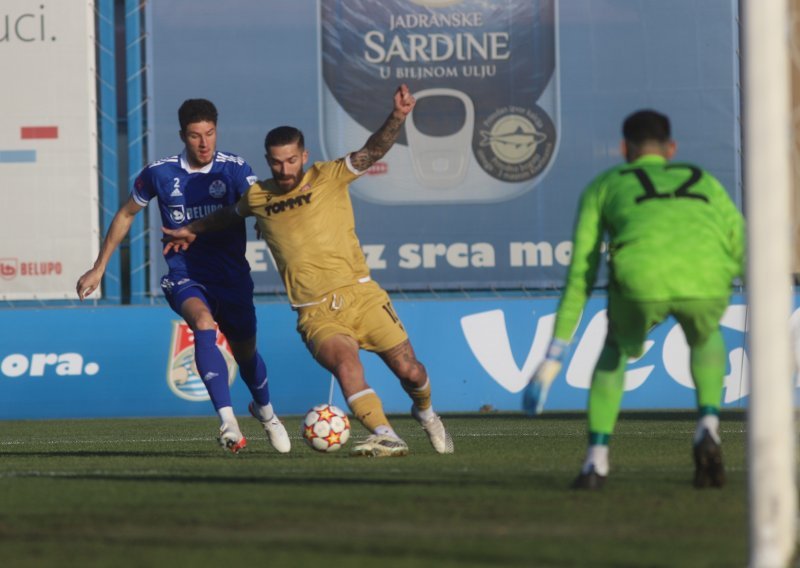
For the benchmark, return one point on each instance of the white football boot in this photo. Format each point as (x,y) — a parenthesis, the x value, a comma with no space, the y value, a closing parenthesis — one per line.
(276,432)
(380,446)
(231,438)
(434,428)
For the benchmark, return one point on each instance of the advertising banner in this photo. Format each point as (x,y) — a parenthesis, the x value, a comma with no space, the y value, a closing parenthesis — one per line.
(484,75)
(519,106)
(48,148)
(138,361)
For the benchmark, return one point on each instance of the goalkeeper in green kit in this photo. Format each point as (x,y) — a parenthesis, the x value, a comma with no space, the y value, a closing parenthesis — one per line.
(676,243)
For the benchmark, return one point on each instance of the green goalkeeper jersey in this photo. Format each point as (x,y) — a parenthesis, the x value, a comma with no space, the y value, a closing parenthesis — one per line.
(674,233)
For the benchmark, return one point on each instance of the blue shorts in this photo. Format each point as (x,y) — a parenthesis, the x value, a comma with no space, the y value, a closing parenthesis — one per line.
(230,305)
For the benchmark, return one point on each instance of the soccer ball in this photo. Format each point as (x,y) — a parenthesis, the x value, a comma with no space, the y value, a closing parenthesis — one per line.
(326,428)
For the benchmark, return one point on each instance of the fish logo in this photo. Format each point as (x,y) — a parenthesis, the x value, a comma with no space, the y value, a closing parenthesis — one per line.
(183,378)
(516,143)
(516,146)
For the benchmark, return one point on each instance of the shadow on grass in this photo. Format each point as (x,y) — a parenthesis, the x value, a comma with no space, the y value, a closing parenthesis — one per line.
(645,415)
(106,454)
(267,479)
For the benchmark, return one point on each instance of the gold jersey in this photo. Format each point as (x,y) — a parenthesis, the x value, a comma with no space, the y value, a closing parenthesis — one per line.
(310,230)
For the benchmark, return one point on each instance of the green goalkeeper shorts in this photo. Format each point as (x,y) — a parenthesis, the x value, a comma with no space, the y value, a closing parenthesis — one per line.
(629,321)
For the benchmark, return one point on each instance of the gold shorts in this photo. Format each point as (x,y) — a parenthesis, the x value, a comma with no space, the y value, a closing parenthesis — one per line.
(362,311)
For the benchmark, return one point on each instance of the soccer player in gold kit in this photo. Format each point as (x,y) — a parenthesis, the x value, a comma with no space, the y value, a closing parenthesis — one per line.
(306,217)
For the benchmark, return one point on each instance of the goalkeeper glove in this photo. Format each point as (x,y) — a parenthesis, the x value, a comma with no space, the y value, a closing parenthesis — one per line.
(535,394)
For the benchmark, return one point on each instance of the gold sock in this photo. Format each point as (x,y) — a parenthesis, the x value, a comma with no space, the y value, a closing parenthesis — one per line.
(421,396)
(367,408)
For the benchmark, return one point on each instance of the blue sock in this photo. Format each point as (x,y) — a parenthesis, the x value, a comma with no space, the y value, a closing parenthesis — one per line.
(212,367)
(254,374)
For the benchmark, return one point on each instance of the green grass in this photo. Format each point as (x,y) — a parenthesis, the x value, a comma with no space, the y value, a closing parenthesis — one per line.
(159,492)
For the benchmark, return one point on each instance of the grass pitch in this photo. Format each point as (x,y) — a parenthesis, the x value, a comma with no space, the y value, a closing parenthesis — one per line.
(160,492)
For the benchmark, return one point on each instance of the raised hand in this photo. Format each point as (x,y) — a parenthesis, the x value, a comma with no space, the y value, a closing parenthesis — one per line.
(404,101)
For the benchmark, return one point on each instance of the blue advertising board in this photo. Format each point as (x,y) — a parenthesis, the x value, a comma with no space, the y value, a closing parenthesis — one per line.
(519,106)
(137,361)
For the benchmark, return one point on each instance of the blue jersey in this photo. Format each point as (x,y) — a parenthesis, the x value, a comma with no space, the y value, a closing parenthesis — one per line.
(183,196)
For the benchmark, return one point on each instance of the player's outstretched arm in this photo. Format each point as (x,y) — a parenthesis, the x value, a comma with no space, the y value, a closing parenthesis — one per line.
(181,238)
(384,138)
(120,225)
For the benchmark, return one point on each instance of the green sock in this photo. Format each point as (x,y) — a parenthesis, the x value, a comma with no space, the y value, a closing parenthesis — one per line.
(605,394)
(707,362)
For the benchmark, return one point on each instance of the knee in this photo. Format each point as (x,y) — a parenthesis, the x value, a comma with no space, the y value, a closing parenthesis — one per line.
(204,323)
(615,355)
(412,373)
(243,351)
(348,369)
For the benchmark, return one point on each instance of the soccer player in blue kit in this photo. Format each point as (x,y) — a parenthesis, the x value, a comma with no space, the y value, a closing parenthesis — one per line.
(209,284)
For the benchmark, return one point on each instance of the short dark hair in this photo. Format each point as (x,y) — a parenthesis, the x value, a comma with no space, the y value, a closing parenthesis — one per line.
(196,110)
(283,135)
(646,126)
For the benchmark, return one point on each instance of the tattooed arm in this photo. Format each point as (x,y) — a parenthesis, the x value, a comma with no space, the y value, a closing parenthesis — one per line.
(181,238)
(380,142)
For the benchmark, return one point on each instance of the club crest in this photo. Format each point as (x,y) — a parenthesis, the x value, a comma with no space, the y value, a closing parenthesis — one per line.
(182,376)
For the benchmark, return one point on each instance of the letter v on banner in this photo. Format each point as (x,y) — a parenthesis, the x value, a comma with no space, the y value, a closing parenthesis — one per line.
(587,351)
(487,337)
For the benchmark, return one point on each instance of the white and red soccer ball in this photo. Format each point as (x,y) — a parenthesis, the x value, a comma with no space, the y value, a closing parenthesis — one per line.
(326,428)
